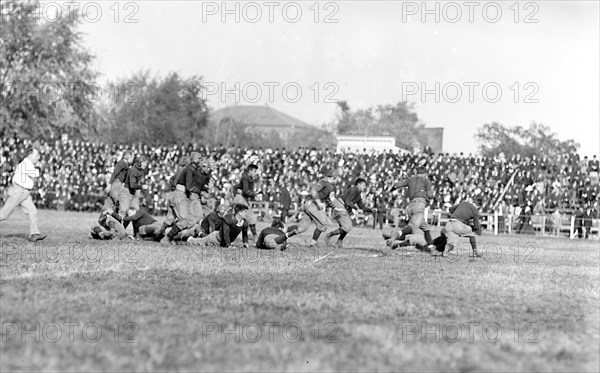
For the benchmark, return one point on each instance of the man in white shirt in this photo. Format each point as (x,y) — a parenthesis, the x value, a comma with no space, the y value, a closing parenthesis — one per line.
(18,193)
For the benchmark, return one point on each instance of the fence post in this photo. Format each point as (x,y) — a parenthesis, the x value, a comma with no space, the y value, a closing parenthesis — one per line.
(495,222)
(572,228)
(544,225)
(510,219)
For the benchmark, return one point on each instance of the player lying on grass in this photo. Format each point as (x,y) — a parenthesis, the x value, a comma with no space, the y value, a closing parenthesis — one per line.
(343,206)
(108,226)
(272,238)
(211,223)
(416,239)
(144,225)
(231,227)
(314,207)
(463,214)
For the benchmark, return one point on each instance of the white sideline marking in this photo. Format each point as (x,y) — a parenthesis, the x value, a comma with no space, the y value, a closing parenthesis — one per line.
(323,257)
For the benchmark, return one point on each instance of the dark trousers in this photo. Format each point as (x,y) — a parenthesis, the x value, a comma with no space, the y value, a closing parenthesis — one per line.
(379,215)
(284,215)
(583,229)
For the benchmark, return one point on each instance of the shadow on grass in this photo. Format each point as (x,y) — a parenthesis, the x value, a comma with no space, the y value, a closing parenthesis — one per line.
(16,235)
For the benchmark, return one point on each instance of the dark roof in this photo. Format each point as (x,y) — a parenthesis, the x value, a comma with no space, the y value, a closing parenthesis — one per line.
(259,115)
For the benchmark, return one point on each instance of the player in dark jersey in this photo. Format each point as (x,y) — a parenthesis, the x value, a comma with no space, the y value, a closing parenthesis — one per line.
(171,197)
(245,193)
(272,237)
(211,222)
(419,190)
(344,205)
(132,186)
(233,225)
(144,225)
(314,207)
(464,222)
(117,178)
(192,181)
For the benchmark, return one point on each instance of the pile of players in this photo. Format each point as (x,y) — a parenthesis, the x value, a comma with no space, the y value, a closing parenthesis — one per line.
(187,223)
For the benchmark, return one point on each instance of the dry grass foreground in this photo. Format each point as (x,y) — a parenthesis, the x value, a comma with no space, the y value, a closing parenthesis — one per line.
(73,304)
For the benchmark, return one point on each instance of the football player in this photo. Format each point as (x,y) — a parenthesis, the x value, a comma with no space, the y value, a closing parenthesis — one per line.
(233,225)
(117,179)
(319,199)
(343,208)
(132,186)
(272,237)
(459,225)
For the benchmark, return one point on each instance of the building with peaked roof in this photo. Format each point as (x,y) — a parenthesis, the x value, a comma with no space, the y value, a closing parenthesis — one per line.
(261,117)
(266,119)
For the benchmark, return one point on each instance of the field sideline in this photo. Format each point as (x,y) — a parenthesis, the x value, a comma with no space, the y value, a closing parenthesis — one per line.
(531,304)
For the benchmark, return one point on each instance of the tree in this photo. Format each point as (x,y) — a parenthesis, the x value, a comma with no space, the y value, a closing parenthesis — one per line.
(495,138)
(399,120)
(156,110)
(46,82)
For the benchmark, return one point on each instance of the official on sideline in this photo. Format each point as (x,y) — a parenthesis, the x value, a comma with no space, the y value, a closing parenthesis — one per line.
(23,181)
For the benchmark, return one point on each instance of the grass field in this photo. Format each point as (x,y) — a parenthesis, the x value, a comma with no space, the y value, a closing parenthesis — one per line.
(73,304)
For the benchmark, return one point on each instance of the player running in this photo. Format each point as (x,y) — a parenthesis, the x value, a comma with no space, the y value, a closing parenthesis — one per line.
(314,208)
(343,207)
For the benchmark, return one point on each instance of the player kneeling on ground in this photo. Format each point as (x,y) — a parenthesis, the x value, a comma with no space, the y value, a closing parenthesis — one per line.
(458,226)
(108,226)
(272,237)
(231,227)
(211,223)
(144,225)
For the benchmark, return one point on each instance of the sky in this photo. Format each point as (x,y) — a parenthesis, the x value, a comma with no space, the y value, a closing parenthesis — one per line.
(460,65)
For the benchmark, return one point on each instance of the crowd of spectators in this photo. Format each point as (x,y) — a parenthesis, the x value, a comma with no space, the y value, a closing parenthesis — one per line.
(75,175)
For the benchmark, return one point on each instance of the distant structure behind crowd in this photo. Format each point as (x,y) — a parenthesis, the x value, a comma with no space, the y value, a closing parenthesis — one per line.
(360,144)
(265,119)
(433,139)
